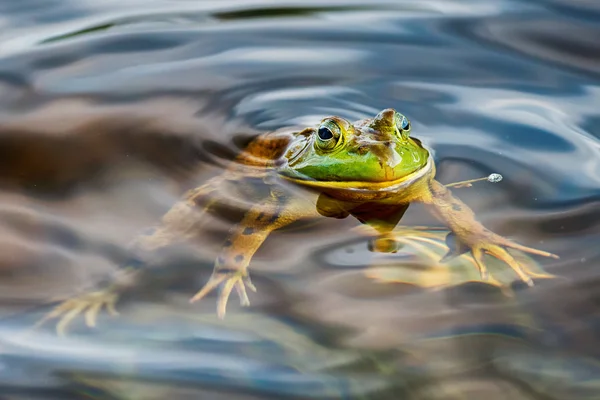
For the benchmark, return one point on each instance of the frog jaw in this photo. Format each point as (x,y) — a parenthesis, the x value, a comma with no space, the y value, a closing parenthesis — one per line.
(361,186)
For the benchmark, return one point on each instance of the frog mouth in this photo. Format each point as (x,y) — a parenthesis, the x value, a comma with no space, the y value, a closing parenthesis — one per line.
(360,186)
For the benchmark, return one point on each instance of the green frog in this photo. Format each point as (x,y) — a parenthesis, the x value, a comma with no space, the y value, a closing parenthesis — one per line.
(371,169)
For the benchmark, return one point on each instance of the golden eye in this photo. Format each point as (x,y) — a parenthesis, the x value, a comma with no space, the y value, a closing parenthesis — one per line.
(402,122)
(402,125)
(328,135)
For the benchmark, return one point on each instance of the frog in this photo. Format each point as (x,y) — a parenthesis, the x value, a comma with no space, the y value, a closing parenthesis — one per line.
(371,169)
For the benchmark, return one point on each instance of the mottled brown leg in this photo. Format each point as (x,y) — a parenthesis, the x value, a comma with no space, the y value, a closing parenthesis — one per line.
(472,234)
(231,266)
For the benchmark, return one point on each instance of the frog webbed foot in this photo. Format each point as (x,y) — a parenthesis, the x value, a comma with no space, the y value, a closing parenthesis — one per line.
(230,279)
(89,304)
(497,246)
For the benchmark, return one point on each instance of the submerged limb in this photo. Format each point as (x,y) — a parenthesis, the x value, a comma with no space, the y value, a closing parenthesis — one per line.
(381,218)
(89,304)
(183,219)
(180,223)
(401,230)
(237,279)
(392,241)
(231,266)
(472,234)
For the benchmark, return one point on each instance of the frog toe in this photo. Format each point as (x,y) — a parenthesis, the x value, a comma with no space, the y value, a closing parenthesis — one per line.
(503,255)
(530,250)
(89,305)
(238,280)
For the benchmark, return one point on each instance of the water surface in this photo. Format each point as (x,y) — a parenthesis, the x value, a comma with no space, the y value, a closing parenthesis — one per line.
(110,110)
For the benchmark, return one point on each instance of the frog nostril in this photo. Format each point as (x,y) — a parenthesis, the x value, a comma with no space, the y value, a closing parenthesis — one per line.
(385,118)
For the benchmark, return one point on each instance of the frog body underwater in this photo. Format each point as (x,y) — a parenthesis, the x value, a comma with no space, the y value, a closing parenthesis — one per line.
(371,169)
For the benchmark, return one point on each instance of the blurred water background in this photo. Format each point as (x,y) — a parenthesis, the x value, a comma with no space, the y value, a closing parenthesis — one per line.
(109,110)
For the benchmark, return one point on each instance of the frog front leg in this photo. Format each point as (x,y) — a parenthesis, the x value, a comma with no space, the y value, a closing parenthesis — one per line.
(471,234)
(231,266)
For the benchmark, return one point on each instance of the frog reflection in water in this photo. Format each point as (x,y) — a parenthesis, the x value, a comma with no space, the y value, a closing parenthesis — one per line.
(371,169)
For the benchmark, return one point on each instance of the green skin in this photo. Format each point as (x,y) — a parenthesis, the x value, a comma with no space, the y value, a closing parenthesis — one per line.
(367,151)
(371,169)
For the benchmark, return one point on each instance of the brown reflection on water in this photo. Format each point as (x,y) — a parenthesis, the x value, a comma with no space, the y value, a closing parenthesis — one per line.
(82,179)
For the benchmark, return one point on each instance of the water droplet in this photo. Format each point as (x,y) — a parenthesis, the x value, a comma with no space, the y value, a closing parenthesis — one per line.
(494,178)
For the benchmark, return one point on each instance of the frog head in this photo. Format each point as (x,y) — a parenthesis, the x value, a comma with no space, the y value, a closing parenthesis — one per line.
(337,153)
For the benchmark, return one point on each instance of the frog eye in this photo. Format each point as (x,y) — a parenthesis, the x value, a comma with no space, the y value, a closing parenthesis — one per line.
(403,125)
(328,135)
(325,133)
(402,122)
